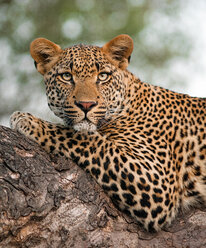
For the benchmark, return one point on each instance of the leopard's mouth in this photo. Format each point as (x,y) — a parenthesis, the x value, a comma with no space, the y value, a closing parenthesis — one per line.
(85,126)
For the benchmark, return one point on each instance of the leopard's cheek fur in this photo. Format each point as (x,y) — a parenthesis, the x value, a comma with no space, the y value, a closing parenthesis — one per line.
(59,97)
(114,94)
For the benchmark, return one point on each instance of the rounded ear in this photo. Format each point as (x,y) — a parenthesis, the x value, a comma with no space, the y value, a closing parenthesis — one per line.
(45,54)
(119,50)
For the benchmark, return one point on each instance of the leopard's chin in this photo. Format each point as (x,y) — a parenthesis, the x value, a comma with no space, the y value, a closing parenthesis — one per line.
(85,126)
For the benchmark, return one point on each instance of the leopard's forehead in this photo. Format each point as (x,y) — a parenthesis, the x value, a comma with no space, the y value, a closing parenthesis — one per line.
(83,50)
(82,59)
(84,54)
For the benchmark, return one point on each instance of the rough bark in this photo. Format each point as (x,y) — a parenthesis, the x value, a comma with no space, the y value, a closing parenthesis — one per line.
(47,201)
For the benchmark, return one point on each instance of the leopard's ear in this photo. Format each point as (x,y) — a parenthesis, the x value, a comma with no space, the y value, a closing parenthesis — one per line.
(45,54)
(119,50)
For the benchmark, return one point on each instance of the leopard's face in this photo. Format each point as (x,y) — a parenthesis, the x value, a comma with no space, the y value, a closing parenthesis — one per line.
(85,85)
(84,88)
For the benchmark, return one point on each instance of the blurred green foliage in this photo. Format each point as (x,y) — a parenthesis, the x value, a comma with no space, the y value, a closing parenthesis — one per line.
(152,24)
(94,20)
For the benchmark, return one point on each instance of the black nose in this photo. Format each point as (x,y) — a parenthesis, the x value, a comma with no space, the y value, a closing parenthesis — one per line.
(85,106)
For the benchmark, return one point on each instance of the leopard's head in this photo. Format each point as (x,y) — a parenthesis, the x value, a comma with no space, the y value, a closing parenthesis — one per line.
(85,85)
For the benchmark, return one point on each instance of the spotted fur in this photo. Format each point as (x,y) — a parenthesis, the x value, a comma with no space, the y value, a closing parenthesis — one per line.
(145,145)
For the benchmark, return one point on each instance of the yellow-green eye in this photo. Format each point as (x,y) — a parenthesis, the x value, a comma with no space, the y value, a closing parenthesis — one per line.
(104,76)
(66,76)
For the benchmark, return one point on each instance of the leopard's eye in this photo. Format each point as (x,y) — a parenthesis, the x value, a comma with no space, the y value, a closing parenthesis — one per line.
(104,76)
(66,76)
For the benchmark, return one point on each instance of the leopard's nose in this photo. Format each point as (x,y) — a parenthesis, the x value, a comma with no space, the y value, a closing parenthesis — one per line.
(85,106)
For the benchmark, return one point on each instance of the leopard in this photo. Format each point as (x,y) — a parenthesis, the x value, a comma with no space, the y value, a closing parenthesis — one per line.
(144,145)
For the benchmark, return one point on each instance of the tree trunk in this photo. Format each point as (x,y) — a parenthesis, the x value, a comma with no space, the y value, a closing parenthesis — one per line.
(46,201)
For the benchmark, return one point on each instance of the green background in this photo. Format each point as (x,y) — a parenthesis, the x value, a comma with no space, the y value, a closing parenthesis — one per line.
(168,36)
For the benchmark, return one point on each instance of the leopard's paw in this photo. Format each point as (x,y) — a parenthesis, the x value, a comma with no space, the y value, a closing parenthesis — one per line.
(20,121)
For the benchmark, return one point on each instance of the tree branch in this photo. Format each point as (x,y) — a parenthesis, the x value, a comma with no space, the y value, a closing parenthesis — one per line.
(46,201)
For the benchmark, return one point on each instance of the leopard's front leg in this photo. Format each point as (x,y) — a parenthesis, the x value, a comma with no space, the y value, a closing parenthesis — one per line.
(110,164)
(42,132)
